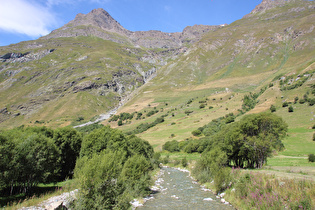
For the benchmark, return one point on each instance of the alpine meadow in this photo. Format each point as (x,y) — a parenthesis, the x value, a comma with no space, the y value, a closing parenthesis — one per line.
(99,110)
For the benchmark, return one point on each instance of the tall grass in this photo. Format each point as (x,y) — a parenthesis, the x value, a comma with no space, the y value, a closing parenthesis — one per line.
(261,191)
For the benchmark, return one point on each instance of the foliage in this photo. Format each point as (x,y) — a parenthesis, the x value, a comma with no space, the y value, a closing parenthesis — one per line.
(259,191)
(35,155)
(113,169)
(152,112)
(184,162)
(196,132)
(89,128)
(311,158)
(290,109)
(285,104)
(68,140)
(273,108)
(145,126)
(251,141)
(28,158)
(171,146)
(201,106)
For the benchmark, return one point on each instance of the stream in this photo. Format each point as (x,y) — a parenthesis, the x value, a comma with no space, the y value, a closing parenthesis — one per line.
(176,190)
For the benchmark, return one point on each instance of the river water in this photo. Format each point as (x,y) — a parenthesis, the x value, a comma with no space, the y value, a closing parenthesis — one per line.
(178,191)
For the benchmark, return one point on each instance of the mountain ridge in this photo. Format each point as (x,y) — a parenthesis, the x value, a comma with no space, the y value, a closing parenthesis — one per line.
(100,23)
(80,71)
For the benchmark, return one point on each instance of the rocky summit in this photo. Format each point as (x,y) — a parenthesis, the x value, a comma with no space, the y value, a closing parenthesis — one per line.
(93,64)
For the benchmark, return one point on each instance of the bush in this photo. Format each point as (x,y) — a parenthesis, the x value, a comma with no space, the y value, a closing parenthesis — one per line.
(285,104)
(187,112)
(184,162)
(202,106)
(302,101)
(311,102)
(196,132)
(171,146)
(273,108)
(290,109)
(311,158)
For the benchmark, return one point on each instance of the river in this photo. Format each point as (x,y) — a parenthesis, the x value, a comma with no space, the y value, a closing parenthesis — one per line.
(176,190)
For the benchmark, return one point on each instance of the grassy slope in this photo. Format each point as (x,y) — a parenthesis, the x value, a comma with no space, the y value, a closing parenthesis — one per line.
(62,66)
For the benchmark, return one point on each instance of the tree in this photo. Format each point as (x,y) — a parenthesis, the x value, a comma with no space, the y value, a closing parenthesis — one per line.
(68,140)
(36,160)
(7,172)
(252,140)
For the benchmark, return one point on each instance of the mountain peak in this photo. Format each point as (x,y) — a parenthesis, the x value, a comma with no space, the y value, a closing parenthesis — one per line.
(98,18)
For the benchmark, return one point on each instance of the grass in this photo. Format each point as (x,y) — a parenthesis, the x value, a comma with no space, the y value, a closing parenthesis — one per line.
(41,193)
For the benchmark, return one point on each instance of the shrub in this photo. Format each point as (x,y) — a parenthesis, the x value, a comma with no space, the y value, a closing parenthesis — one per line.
(311,102)
(302,101)
(273,108)
(187,112)
(184,162)
(202,106)
(120,123)
(311,158)
(285,104)
(290,109)
(196,132)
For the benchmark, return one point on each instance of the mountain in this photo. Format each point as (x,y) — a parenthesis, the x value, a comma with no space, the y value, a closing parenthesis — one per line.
(93,64)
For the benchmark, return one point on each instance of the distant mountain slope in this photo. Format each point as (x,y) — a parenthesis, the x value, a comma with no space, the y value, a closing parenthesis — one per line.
(93,64)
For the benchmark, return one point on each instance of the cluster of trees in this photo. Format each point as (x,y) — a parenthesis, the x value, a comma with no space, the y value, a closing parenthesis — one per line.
(250,101)
(246,143)
(37,155)
(112,169)
(145,126)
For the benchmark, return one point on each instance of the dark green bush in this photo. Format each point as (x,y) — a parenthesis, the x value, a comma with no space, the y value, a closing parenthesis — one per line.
(290,109)
(311,158)
(285,104)
(184,162)
(273,108)
(196,132)
(302,101)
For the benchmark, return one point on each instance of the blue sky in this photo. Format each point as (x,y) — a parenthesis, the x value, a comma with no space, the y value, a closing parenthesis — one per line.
(22,20)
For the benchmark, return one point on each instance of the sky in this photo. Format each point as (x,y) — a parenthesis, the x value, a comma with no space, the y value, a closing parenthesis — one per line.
(23,20)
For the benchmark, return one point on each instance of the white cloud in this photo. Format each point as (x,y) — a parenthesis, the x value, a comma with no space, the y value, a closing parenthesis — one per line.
(58,2)
(25,17)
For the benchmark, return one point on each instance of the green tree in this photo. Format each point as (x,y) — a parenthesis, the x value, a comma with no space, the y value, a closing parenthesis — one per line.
(68,140)
(36,160)
(7,169)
